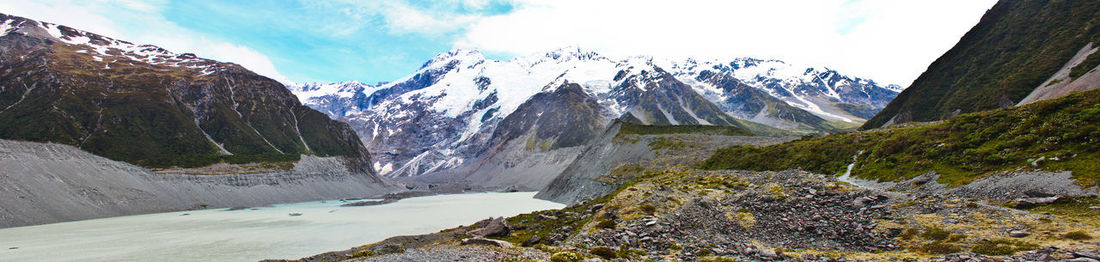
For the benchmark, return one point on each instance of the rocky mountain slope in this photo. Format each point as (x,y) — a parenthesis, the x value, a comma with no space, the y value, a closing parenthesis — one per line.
(148,106)
(1052,135)
(1017,47)
(452,111)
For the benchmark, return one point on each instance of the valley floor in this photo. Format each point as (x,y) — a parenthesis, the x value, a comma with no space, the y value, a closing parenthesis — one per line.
(675,212)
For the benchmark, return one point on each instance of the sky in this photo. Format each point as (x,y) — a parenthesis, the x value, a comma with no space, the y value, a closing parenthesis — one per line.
(889,41)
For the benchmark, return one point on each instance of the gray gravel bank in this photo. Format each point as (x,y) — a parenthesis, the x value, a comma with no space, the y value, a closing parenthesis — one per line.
(46,183)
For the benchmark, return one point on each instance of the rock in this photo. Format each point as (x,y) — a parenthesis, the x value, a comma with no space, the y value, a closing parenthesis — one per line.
(1086,254)
(1038,194)
(486,241)
(547,217)
(860,202)
(1081,259)
(390,249)
(371,202)
(768,253)
(1030,202)
(497,227)
(651,223)
(1094,207)
(533,240)
(1018,233)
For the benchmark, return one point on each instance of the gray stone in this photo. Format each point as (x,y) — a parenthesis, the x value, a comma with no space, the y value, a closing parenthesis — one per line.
(486,241)
(496,227)
(768,253)
(1018,233)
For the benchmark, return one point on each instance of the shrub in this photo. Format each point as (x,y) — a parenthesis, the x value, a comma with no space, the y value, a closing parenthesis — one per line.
(1001,247)
(361,253)
(604,252)
(1077,235)
(566,256)
(935,233)
(939,247)
(606,223)
(909,233)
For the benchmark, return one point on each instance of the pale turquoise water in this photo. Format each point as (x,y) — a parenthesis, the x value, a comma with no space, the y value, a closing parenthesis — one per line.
(250,235)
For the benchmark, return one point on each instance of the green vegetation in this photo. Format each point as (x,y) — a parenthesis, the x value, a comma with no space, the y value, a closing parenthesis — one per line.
(188,161)
(361,253)
(566,256)
(636,129)
(1077,235)
(940,247)
(1077,209)
(1001,247)
(662,143)
(606,223)
(1054,82)
(159,116)
(1090,62)
(935,233)
(604,252)
(1057,134)
(1014,48)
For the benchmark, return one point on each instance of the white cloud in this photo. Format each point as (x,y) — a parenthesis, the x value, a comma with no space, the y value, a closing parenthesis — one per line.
(399,17)
(140,22)
(402,18)
(891,41)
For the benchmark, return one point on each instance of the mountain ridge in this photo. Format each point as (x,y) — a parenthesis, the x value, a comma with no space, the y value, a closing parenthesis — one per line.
(148,106)
(1014,48)
(460,96)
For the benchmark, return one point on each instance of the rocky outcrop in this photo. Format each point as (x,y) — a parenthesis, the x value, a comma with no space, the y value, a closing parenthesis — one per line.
(495,227)
(1002,187)
(46,183)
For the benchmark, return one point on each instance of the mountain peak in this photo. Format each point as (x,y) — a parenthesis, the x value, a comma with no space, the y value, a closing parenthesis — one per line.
(570,52)
(457,55)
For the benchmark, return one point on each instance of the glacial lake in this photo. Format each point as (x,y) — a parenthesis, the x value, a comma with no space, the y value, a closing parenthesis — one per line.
(256,233)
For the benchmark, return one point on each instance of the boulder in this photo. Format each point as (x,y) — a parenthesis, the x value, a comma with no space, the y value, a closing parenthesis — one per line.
(533,240)
(1018,233)
(1030,202)
(486,241)
(496,227)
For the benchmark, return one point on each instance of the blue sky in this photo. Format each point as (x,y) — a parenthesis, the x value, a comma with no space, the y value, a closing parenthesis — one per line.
(891,41)
(323,42)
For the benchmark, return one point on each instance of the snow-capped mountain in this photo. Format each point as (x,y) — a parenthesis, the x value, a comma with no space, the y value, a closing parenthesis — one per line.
(459,110)
(749,89)
(106,49)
